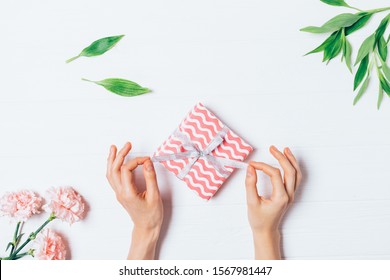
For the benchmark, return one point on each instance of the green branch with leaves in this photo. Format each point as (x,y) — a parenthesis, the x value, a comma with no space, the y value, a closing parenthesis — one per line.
(372,52)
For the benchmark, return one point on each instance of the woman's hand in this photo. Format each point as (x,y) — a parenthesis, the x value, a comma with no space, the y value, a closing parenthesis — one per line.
(265,214)
(145,208)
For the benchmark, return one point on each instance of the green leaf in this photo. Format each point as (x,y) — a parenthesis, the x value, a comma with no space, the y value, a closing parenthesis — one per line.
(362,90)
(335,3)
(9,245)
(381,29)
(334,48)
(382,48)
(98,47)
(365,48)
(380,97)
(386,71)
(357,25)
(121,86)
(347,52)
(328,41)
(340,21)
(361,72)
(384,84)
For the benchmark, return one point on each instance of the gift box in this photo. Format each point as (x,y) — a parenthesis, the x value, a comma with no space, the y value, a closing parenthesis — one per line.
(203,152)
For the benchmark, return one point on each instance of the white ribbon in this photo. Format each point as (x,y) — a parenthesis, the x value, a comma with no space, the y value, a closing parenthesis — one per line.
(194,153)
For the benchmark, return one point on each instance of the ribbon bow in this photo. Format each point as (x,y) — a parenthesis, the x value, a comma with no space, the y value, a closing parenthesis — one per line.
(194,153)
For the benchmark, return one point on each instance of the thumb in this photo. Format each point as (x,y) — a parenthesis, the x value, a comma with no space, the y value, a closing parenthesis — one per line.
(150,178)
(250,184)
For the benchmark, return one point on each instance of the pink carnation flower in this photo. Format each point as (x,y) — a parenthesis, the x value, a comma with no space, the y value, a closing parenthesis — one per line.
(20,205)
(48,245)
(66,204)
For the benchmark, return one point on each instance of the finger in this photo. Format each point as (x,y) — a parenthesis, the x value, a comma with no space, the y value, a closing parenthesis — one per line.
(294,162)
(278,188)
(127,182)
(252,196)
(127,178)
(116,165)
(150,179)
(135,162)
(118,162)
(110,160)
(289,171)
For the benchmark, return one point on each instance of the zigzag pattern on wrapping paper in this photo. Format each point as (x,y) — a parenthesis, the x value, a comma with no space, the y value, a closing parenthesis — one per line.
(201,126)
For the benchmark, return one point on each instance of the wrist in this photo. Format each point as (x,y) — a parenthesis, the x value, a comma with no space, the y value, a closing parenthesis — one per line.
(266,233)
(143,244)
(145,235)
(267,244)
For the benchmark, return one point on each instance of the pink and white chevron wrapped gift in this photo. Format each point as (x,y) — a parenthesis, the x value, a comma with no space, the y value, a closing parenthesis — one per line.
(203,152)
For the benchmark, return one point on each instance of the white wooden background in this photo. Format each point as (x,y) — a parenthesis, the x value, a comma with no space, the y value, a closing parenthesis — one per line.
(243,60)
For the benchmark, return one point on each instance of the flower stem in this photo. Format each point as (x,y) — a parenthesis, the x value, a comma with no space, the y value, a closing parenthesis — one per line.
(14,240)
(20,255)
(33,235)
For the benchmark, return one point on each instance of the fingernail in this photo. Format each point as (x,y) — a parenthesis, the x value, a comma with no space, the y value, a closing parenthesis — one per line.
(288,151)
(273,149)
(149,166)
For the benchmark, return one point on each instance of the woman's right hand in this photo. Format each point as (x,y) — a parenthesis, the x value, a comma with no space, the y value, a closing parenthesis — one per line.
(265,214)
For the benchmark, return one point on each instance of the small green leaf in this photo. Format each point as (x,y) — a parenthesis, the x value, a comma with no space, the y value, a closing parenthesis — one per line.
(98,47)
(314,29)
(384,84)
(334,48)
(9,245)
(380,97)
(381,29)
(361,72)
(340,21)
(335,3)
(359,24)
(382,48)
(386,70)
(347,52)
(121,86)
(328,41)
(362,90)
(365,48)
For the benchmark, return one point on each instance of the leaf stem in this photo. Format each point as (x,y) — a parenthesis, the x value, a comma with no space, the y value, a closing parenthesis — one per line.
(83,79)
(376,63)
(72,58)
(378,10)
(33,235)
(357,9)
